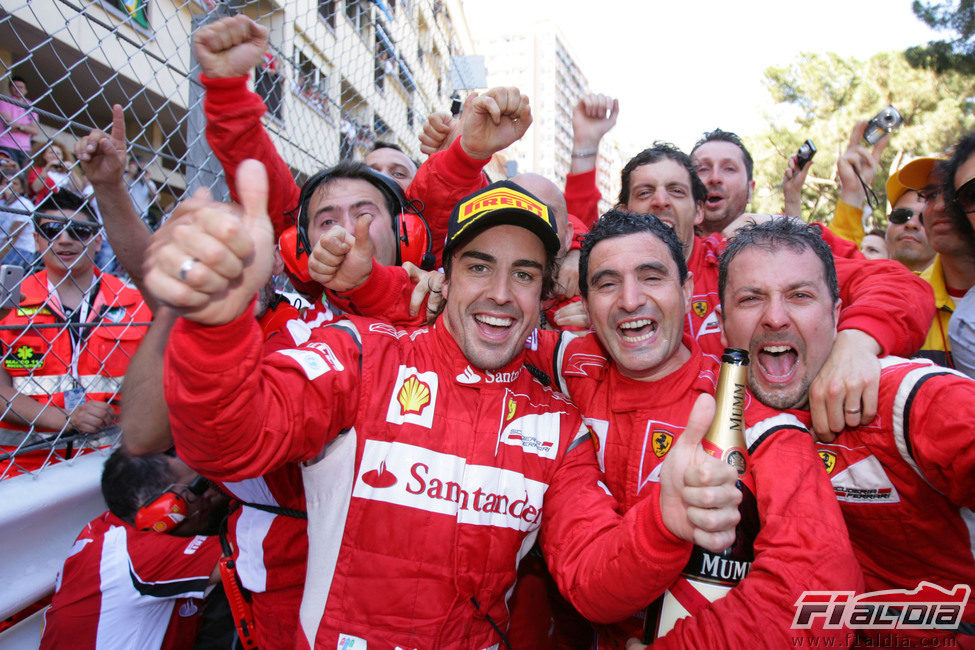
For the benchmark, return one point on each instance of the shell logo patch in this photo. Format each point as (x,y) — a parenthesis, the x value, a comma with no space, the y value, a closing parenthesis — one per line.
(829,460)
(414,397)
(661,442)
(700,308)
(512,407)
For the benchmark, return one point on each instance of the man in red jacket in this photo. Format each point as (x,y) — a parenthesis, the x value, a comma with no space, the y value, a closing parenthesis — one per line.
(906,479)
(431,458)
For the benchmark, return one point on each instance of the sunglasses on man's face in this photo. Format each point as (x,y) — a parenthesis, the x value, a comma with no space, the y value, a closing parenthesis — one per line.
(900,216)
(51,230)
(965,197)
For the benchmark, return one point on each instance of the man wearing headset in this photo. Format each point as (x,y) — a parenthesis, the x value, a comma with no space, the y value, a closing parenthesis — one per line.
(137,574)
(227,50)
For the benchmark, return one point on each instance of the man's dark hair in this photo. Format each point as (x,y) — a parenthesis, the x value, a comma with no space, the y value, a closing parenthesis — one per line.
(15,78)
(618,223)
(130,482)
(780,232)
(354,170)
(381,144)
(962,151)
(660,151)
(67,201)
(876,231)
(727,136)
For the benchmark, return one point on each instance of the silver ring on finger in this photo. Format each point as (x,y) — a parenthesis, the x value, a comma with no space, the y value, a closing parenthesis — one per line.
(185,267)
(853,411)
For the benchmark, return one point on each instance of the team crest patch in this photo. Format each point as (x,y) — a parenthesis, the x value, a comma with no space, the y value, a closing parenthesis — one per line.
(829,460)
(414,397)
(24,358)
(511,410)
(661,442)
(700,308)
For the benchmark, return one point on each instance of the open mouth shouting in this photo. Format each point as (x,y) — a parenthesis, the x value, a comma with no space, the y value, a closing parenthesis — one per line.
(637,330)
(777,362)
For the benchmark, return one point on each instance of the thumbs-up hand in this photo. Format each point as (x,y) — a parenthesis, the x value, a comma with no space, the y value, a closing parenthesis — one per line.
(698,494)
(342,261)
(208,262)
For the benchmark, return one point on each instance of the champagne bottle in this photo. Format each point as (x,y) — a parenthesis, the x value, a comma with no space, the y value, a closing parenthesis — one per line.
(711,575)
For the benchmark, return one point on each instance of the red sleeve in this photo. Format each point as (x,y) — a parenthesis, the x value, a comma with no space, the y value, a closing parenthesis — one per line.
(606,565)
(888,302)
(384,295)
(582,196)
(441,181)
(236,415)
(235,133)
(803,545)
(941,438)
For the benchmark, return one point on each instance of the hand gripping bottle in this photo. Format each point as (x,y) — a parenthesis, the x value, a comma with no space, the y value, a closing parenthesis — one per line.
(709,576)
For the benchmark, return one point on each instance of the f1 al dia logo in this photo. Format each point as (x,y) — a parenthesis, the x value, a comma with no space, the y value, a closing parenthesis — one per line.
(928,607)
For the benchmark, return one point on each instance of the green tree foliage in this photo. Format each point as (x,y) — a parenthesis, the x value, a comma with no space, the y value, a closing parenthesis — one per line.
(955,54)
(821,96)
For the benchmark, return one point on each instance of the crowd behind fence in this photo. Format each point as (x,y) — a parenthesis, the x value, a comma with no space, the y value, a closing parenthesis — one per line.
(339,76)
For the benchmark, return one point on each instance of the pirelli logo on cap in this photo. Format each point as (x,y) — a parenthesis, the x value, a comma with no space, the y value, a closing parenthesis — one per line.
(497,199)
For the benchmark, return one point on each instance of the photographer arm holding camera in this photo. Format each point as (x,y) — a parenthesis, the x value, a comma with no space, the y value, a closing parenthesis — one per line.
(855,171)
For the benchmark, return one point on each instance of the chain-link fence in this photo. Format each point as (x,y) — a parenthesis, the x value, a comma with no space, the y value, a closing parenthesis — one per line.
(339,75)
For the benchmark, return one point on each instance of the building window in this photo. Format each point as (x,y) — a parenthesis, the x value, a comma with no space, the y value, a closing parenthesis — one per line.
(326,9)
(357,11)
(312,83)
(269,84)
(379,127)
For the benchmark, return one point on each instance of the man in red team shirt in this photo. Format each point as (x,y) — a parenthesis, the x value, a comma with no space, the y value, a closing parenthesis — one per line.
(905,480)
(122,587)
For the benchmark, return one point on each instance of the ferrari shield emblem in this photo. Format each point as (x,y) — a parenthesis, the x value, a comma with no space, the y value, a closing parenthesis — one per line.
(700,308)
(829,460)
(661,442)
(512,406)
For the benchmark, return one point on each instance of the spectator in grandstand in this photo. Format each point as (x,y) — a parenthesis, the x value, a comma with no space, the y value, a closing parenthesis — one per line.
(129,587)
(54,170)
(141,188)
(874,245)
(15,218)
(71,338)
(855,171)
(389,159)
(725,167)
(18,123)
(960,193)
